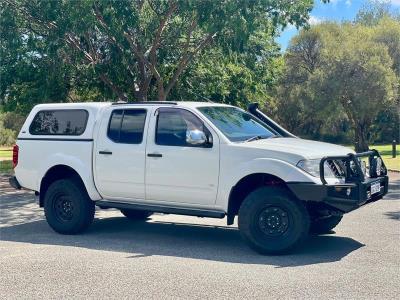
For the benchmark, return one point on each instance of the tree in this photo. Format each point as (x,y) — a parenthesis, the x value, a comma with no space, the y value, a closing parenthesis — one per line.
(140,49)
(385,24)
(358,75)
(373,11)
(230,78)
(25,64)
(298,106)
(339,74)
(387,32)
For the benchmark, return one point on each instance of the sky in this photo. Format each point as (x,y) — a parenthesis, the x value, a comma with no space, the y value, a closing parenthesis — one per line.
(335,10)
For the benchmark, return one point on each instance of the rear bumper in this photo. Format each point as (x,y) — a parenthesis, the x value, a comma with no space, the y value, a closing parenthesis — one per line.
(14,183)
(342,197)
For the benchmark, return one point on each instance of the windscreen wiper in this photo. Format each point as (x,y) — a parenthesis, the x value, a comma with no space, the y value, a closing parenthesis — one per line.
(254,138)
(259,137)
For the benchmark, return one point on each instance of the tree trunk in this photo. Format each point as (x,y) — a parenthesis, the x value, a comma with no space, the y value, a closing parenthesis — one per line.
(162,96)
(116,90)
(140,95)
(361,140)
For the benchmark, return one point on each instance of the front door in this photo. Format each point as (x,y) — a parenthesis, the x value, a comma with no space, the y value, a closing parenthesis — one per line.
(176,171)
(120,154)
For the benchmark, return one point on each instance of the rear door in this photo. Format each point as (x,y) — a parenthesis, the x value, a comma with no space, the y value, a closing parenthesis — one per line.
(120,153)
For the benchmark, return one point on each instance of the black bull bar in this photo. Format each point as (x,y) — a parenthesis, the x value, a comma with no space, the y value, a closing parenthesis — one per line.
(353,166)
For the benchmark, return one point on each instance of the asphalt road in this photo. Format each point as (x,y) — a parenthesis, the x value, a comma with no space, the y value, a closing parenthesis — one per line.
(176,257)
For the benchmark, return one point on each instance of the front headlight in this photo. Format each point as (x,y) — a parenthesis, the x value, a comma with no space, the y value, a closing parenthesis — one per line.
(311,166)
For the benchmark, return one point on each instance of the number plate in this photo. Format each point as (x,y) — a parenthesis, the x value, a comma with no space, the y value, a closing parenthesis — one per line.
(375,188)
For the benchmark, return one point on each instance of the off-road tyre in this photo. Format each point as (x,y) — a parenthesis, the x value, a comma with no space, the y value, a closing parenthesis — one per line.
(272,221)
(67,206)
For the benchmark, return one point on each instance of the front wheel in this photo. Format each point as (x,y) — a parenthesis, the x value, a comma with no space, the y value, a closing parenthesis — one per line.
(271,221)
(68,208)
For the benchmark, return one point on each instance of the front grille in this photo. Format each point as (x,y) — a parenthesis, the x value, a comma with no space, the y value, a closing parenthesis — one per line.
(353,167)
(337,168)
(342,168)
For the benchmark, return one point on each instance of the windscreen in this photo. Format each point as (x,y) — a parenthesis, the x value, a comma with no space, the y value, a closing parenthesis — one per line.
(236,124)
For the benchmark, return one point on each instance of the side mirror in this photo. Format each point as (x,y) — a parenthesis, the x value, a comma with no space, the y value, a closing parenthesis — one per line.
(196,137)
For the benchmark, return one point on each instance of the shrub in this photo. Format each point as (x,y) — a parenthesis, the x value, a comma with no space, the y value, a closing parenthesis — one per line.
(12,121)
(7,136)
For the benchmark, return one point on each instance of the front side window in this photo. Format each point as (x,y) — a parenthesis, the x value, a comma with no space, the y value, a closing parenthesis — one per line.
(173,124)
(126,126)
(59,122)
(236,124)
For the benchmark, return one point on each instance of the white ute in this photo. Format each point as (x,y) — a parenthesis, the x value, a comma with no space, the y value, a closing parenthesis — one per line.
(190,158)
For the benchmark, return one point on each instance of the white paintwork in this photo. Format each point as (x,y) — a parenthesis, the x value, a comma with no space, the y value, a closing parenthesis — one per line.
(37,157)
(289,149)
(184,176)
(119,176)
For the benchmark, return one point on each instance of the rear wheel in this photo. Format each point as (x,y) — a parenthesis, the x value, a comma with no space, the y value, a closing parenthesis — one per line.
(136,215)
(325,224)
(271,221)
(68,208)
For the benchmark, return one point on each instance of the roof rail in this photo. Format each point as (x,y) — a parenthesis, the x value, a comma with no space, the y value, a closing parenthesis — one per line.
(145,102)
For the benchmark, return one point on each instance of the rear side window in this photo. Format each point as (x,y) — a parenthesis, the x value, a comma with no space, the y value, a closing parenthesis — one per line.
(59,122)
(126,126)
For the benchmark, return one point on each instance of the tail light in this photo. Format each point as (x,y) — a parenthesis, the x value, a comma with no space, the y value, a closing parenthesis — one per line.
(15,155)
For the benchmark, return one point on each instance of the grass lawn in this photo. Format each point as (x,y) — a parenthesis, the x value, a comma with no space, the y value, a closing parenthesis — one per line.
(6,166)
(5,153)
(5,160)
(386,153)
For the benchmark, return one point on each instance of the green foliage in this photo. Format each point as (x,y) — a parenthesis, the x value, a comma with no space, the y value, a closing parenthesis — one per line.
(228,79)
(359,76)
(386,126)
(10,125)
(342,76)
(336,82)
(30,70)
(7,137)
(12,121)
(373,11)
(56,51)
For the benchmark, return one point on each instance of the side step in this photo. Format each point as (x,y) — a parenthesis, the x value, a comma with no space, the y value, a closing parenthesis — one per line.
(163,209)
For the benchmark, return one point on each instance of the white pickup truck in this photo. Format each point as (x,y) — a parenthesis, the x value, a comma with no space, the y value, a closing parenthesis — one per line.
(190,158)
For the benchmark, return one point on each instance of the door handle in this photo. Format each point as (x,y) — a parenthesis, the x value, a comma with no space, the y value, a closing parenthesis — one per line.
(154,155)
(105,152)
